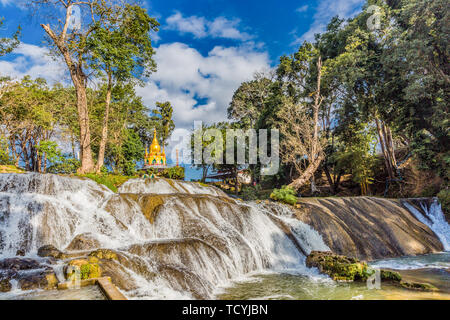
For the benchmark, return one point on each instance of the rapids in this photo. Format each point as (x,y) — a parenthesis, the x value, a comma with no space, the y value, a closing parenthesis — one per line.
(174,239)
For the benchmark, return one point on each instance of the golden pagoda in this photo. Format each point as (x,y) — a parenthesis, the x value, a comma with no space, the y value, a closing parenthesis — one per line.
(153,156)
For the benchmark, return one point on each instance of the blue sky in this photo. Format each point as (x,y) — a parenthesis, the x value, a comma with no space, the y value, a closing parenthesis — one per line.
(204,49)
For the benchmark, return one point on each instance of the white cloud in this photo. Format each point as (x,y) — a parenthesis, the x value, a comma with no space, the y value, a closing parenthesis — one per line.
(5,2)
(325,10)
(34,61)
(302,8)
(185,77)
(200,27)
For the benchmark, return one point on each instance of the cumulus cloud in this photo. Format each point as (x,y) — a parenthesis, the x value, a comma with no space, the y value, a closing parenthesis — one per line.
(28,59)
(325,10)
(200,87)
(200,27)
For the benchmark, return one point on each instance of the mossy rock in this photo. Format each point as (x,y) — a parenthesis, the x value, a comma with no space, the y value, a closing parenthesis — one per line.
(150,205)
(388,275)
(104,254)
(89,268)
(339,268)
(50,251)
(46,280)
(418,286)
(5,285)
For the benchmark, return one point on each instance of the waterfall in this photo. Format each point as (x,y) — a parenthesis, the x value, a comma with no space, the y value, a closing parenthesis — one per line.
(175,239)
(434,218)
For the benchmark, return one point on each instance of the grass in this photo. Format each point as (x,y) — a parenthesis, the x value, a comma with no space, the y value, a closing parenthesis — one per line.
(111,181)
(10,169)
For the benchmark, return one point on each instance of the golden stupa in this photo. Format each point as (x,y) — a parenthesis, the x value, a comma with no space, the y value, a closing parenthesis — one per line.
(153,156)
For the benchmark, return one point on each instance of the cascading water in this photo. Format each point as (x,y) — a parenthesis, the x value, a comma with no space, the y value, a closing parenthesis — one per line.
(433,217)
(174,239)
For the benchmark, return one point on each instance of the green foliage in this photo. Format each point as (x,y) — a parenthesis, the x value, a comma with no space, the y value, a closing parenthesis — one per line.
(163,116)
(50,149)
(65,166)
(176,173)
(358,156)
(7,45)
(5,156)
(250,193)
(285,194)
(111,181)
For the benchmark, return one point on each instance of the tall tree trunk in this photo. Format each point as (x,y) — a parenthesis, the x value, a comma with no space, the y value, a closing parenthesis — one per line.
(383,144)
(101,151)
(79,82)
(87,164)
(316,155)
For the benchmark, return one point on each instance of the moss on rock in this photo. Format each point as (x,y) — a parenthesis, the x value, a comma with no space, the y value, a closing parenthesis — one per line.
(88,268)
(418,286)
(5,285)
(103,254)
(388,275)
(340,268)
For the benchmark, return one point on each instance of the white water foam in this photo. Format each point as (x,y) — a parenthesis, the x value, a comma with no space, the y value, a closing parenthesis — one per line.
(434,219)
(195,235)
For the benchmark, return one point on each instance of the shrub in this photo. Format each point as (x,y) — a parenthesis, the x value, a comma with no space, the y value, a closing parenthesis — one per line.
(5,156)
(285,194)
(251,193)
(170,173)
(111,181)
(66,166)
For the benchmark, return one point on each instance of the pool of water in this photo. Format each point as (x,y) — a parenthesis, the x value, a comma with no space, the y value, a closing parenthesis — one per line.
(433,269)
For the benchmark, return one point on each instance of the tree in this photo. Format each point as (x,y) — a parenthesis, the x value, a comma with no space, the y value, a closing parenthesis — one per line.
(74,42)
(417,51)
(302,144)
(7,45)
(163,114)
(121,51)
(249,100)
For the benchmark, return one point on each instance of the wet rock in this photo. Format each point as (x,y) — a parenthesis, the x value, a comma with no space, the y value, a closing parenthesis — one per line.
(50,251)
(388,275)
(5,285)
(20,253)
(87,268)
(46,280)
(104,254)
(16,264)
(368,228)
(418,286)
(84,241)
(338,267)
(29,273)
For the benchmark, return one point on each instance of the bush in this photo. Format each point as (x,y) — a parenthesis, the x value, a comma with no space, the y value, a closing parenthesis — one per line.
(176,173)
(5,156)
(285,194)
(251,193)
(444,199)
(66,166)
(111,181)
